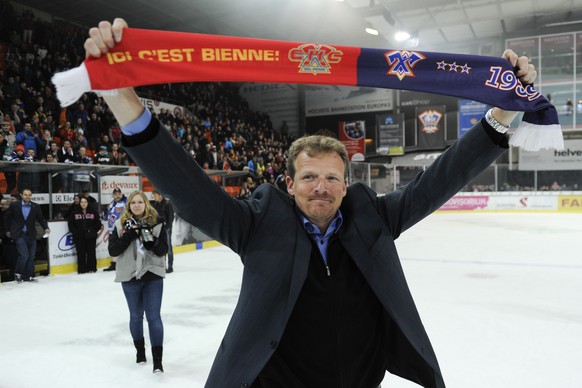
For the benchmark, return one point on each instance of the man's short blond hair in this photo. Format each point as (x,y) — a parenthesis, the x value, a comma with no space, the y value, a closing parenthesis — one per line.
(315,145)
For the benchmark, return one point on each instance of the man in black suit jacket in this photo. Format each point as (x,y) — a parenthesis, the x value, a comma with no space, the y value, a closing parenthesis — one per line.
(7,246)
(20,219)
(323,303)
(166,212)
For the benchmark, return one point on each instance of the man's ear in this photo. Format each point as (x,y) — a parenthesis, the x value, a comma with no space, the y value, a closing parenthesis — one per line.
(290,185)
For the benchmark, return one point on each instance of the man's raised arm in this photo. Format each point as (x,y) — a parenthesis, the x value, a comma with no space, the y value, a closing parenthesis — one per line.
(124,104)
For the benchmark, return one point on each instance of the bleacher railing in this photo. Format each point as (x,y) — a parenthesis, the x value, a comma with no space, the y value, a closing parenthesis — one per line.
(385,178)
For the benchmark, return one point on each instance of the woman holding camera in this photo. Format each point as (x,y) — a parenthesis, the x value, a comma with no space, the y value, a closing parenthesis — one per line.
(141,268)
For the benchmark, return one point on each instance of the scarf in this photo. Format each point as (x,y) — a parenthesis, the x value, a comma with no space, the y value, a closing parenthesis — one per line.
(147,57)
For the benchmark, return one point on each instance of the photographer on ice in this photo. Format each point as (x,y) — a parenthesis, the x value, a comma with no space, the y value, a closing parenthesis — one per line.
(141,268)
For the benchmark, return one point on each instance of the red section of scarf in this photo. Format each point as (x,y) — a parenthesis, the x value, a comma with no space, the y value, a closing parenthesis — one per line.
(155,57)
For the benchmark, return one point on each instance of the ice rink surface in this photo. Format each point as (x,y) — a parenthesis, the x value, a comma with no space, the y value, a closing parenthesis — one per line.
(500,296)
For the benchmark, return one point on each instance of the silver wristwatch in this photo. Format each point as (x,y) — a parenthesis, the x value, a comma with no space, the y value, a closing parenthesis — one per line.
(496,125)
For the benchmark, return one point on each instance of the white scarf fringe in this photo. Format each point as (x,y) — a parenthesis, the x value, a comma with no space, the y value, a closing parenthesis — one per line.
(533,137)
(73,83)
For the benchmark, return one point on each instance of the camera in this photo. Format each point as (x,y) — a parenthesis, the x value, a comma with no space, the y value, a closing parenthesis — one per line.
(146,234)
(143,229)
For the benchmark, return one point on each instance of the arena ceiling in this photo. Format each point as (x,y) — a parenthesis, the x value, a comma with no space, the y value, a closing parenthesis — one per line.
(475,26)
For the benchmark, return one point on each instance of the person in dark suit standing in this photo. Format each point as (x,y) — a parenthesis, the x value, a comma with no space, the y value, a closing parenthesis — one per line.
(21,217)
(7,246)
(326,304)
(166,213)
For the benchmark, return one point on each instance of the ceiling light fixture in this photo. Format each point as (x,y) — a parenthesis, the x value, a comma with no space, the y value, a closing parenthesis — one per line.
(401,36)
(371,31)
(563,23)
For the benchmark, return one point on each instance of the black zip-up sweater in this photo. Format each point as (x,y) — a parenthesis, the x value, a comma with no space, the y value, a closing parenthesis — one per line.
(334,337)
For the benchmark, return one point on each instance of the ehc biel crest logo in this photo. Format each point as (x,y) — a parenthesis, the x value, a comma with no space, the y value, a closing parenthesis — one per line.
(430,120)
(402,62)
(315,58)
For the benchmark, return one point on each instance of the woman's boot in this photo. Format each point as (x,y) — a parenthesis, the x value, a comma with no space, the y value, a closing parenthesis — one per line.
(111,267)
(157,355)
(140,357)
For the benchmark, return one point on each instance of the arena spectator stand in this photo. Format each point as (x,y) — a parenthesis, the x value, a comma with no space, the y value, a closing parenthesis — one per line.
(215,113)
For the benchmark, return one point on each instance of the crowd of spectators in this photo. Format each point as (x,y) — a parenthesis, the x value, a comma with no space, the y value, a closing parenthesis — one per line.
(218,129)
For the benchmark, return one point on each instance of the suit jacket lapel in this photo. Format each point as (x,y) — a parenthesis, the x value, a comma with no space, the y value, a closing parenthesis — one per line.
(300,265)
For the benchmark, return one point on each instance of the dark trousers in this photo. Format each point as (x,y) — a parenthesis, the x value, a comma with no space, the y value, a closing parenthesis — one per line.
(26,247)
(86,255)
(170,250)
(9,256)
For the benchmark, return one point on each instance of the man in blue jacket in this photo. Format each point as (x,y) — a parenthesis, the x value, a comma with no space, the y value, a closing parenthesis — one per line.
(114,210)
(325,304)
(28,138)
